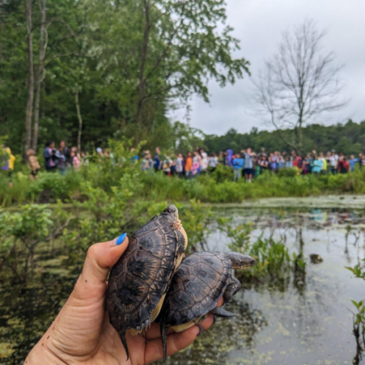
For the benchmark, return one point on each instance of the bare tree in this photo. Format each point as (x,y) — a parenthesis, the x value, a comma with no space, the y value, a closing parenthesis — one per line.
(299,83)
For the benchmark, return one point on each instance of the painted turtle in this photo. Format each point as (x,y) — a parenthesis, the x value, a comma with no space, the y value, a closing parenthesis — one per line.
(201,280)
(139,281)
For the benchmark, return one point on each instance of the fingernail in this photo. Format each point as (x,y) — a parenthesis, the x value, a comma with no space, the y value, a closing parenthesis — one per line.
(200,330)
(121,238)
(214,319)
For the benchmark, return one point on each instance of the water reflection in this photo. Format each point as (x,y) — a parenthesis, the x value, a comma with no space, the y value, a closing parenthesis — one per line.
(308,318)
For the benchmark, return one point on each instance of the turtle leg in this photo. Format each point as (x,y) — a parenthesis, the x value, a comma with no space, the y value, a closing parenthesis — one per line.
(163,330)
(122,332)
(233,287)
(180,242)
(220,312)
(124,342)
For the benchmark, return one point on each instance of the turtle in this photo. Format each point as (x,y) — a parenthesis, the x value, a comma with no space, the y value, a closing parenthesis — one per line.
(140,279)
(201,280)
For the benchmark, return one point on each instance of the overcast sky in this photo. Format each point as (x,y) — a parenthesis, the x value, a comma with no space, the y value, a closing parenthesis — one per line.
(259,25)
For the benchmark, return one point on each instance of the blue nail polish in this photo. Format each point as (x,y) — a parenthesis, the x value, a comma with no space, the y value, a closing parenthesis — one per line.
(121,238)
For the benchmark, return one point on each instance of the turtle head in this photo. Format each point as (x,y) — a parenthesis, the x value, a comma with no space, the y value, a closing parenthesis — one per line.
(172,212)
(240,261)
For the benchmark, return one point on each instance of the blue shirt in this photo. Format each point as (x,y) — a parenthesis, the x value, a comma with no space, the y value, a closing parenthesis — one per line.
(157,162)
(353,162)
(316,166)
(238,163)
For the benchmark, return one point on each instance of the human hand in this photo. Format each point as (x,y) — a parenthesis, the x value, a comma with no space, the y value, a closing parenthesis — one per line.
(81,333)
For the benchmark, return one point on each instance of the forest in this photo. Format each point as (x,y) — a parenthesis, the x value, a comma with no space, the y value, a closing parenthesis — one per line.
(85,71)
(348,138)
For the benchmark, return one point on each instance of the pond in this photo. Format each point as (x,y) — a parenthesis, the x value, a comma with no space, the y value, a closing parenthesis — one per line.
(306,320)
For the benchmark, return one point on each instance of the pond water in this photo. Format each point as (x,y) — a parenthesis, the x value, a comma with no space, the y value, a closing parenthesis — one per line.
(305,321)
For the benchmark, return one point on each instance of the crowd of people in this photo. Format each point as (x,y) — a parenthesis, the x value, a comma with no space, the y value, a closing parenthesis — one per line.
(248,164)
(245,164)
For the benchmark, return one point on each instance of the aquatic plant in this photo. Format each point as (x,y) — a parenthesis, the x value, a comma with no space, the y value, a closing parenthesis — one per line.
(21,233)
(359,315)
(273,260)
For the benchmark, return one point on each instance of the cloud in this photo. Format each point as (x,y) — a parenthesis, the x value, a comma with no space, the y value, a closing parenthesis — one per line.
(259,24)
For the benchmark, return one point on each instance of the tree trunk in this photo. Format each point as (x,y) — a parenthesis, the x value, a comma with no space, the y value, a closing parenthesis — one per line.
(141,85)
(80,122)
(29,109)
(40,71)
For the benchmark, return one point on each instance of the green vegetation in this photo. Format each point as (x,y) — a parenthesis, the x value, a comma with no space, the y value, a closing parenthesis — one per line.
(115,183)
(274,264)
(98,69)
(348,138)
(359,315)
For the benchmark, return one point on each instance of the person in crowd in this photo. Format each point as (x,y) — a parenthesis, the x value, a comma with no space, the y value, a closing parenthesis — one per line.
(156,159)
(248,164)
(362,160)
(263,163)
(62,161)
(333,162)
(135,157)
(173,166)
(179,165)
(204,162)
(288,162)
(75,159)
(221,158)
(147,162)
(323,161)
(196,163)
(316,165)
(262,152)
(342,164)
(188,166)
(166,165)
(229,158)
(213,162)
(50,158)
(33,164)
(281,161)
(237,166)
(99,151)
(273,162)
(308,162)
(65,152)
(85,160)
(7,161)
(298,164)
(353,161)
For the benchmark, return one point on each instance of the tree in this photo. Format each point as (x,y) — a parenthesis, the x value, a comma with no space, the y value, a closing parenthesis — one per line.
(29,108)
(299,83)
(187,51)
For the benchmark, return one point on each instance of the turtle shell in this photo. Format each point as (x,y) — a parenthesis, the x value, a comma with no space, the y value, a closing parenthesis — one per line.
(196,288)
(142,276)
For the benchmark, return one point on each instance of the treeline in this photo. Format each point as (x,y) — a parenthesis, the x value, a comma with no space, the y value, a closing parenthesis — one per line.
(90,70)
(348,138)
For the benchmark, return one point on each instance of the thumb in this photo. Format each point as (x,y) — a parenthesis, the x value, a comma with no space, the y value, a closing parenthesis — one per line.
(99,260)
(101,257)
